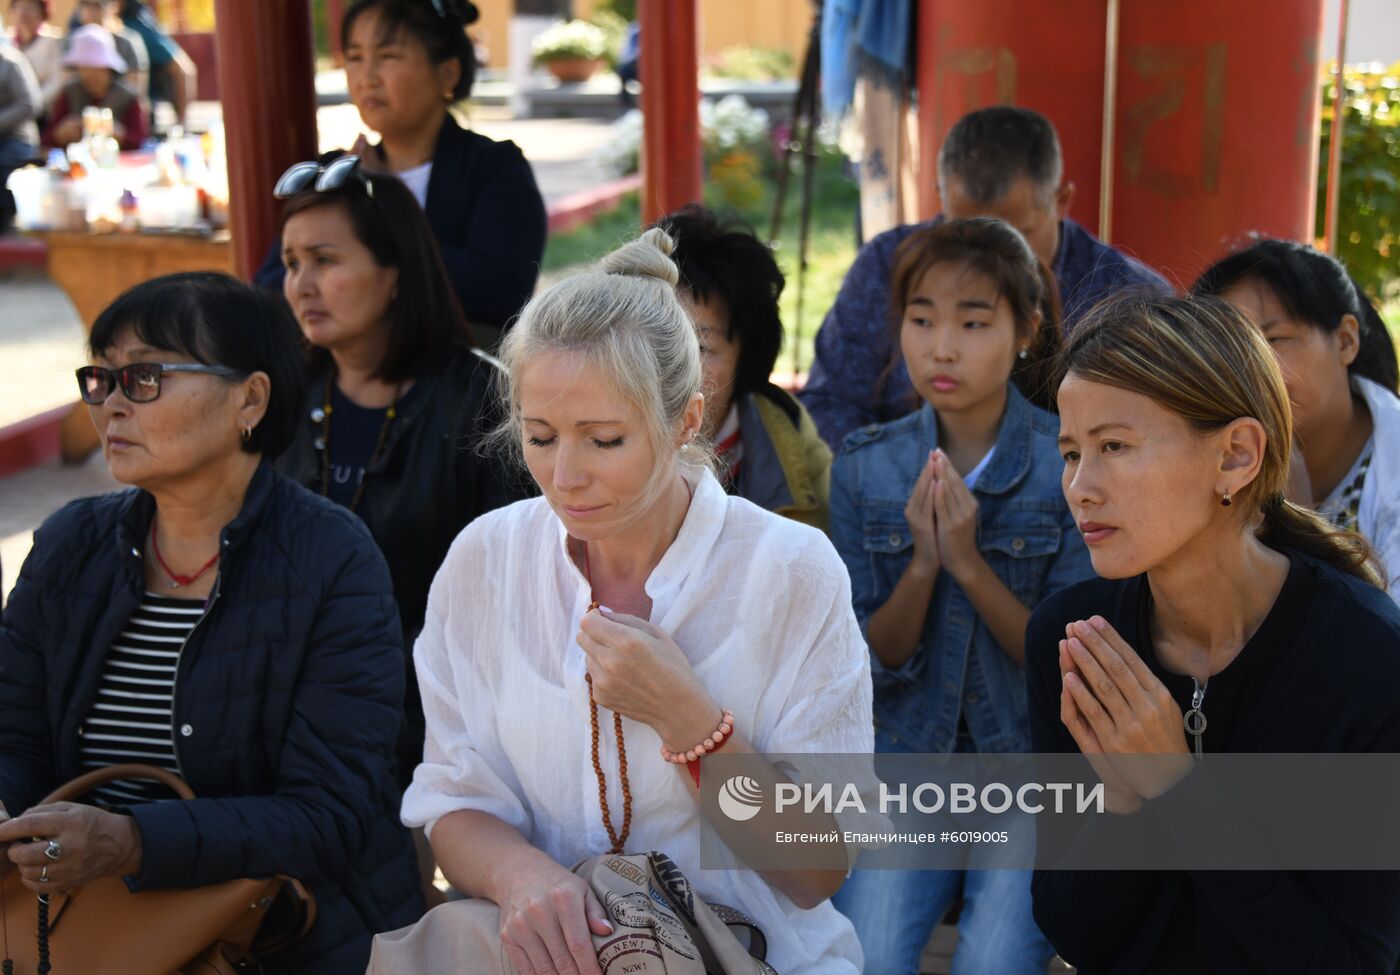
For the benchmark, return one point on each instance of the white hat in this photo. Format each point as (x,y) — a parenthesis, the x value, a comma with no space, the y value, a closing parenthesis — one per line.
(92,46)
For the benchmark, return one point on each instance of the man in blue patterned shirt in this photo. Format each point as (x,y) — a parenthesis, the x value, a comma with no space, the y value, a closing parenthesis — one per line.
(996,162)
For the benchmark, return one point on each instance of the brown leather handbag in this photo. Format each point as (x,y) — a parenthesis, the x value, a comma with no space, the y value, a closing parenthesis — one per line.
(105,929)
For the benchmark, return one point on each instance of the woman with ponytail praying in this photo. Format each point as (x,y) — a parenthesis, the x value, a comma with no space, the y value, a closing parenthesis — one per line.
(1221,600)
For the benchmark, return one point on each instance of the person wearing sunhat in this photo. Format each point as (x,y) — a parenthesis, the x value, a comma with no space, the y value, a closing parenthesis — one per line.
(93,52)
(107,13)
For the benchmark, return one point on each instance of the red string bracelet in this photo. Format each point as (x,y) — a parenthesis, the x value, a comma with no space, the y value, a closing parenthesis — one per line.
(691,759)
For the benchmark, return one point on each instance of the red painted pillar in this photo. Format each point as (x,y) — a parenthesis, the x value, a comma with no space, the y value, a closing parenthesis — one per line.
(1046,57)
(1214,109)
(1218,115)
(335,15)
(671,150)
(267,76)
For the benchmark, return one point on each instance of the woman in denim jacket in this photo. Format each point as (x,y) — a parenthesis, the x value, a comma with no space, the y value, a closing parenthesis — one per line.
(953,526)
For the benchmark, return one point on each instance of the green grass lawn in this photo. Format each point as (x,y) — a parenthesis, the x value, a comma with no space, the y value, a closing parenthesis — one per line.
(831,248)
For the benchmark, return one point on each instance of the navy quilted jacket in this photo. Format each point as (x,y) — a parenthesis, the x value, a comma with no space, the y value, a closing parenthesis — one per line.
(288,700)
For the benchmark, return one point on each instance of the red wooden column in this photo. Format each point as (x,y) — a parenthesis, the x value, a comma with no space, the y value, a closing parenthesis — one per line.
(267,76)
(1046,57)
(335,15)
(671,160)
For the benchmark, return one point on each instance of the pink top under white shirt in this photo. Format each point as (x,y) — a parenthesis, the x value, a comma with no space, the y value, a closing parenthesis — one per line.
(761,606)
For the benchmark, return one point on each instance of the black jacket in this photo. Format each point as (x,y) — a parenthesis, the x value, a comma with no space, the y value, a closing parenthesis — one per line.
(427,484)
(287,701)
(489,220)
(1319,676)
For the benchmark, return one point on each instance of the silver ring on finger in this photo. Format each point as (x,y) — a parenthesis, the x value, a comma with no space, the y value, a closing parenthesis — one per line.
(54,850)
(44,874)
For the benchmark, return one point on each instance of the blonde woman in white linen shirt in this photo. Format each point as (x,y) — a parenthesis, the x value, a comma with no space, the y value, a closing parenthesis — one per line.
(707,604)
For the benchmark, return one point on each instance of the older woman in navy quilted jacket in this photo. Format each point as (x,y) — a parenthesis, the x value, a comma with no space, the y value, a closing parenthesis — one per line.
(218,621)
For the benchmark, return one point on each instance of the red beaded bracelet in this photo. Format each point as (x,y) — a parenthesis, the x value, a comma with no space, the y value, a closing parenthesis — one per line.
(713,743)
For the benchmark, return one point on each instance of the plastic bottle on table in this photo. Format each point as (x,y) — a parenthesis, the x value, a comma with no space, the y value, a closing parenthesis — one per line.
(130,224)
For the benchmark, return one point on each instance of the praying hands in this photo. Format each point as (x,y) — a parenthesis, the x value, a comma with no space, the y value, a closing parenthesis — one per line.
(1119,712)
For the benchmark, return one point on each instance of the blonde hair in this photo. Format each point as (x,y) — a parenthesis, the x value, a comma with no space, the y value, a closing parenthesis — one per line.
(623,318)
(1201,359)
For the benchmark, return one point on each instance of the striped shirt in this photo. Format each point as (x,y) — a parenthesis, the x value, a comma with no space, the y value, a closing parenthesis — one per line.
(131,719)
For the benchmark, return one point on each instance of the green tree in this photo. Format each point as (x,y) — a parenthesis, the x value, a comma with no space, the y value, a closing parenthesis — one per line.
(626,9)
(1368,200)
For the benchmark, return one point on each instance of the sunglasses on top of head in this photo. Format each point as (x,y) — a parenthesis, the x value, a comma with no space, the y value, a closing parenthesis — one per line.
(323,179)
(465,10)
(139,382)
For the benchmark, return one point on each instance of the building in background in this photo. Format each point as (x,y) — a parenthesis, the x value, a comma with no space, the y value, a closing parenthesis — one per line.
(1373,31)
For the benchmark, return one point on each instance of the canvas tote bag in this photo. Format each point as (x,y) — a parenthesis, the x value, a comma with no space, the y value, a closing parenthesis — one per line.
(659,928)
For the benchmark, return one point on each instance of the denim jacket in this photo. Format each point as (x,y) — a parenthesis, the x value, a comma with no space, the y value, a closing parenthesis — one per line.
(1025,532)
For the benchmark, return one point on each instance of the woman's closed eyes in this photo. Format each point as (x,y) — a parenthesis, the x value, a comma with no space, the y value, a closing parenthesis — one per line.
(600,444)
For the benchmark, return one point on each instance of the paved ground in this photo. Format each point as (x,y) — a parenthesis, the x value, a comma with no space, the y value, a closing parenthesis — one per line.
(560,150)
(41,343)
(26,499)
(41,337)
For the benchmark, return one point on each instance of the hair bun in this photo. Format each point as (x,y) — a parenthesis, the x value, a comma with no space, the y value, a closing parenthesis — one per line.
(649,256)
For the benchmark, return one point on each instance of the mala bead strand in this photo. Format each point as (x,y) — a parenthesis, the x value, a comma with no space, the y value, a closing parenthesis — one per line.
(8,965)
(43,935)
(626,785)
(619,840)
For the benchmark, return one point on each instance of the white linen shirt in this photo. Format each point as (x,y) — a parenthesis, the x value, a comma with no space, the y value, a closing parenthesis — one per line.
(760,605)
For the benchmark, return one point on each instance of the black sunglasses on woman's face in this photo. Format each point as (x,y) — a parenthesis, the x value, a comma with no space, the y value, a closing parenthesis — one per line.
(140,381)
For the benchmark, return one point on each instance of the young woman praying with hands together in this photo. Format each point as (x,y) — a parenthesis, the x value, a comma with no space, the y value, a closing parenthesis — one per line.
(952,526)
